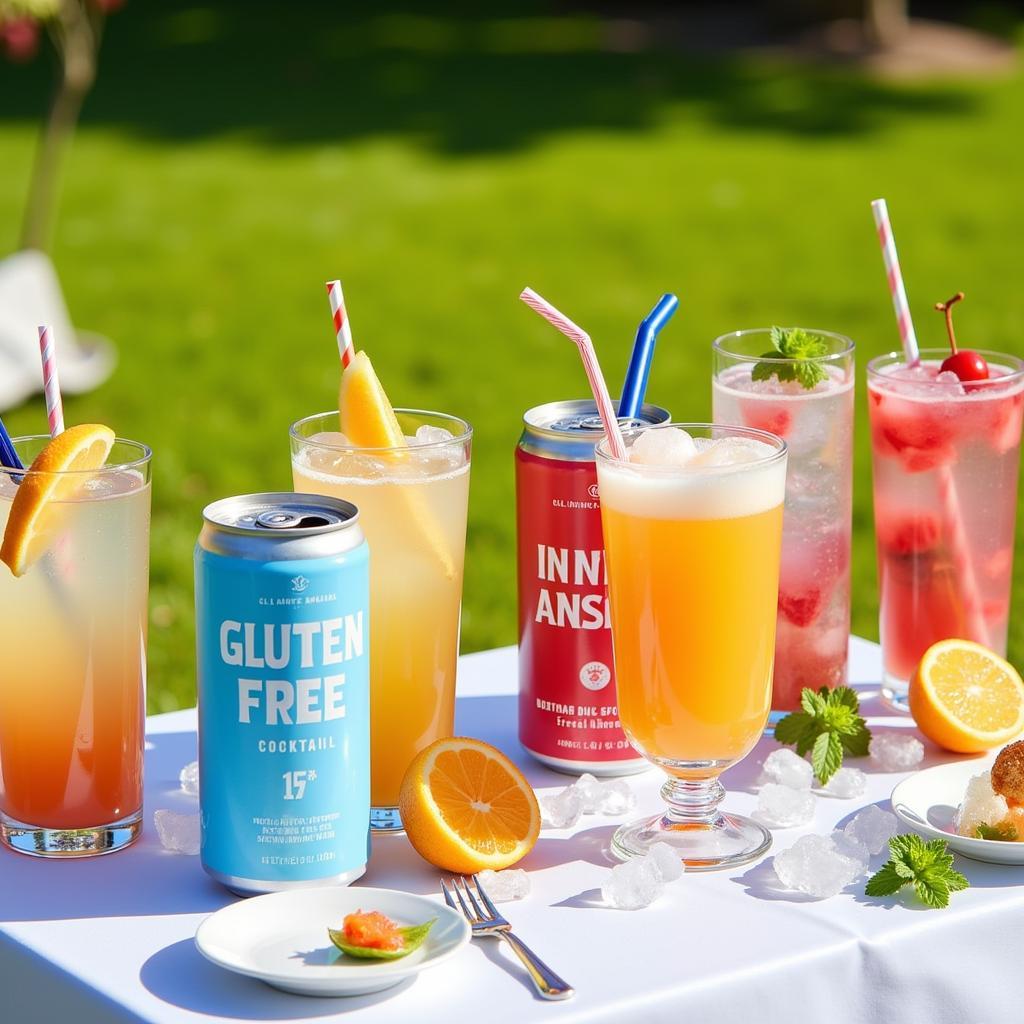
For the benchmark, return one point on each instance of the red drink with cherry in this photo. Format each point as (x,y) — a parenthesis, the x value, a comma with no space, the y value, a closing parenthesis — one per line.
(945,453)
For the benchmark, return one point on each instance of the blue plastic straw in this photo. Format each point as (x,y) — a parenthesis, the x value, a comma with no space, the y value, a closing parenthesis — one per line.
(634,387)
(8,456)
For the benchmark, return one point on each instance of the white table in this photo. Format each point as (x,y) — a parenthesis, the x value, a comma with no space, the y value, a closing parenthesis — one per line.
(110,939)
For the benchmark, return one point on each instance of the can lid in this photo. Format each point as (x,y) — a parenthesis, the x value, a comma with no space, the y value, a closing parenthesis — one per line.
(281,513)
(569,430)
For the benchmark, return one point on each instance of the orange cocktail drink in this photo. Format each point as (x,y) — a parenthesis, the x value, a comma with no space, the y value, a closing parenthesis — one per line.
(692,529)
(73,619)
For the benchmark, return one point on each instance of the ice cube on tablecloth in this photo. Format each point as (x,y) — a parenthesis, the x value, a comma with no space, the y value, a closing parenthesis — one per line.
(427,434)
(589,790)
(787,768)
(502,886)
(851,847)
(666,861)
(814,865)
(666,446)
(616,797)
(630,886)
(562,809)
(981,804)
(177,832)
(189,778)
(896,751)
(783,807)
(847,783)
(873,827)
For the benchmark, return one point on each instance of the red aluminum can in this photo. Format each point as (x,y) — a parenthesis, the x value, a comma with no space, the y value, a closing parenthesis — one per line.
(568,708)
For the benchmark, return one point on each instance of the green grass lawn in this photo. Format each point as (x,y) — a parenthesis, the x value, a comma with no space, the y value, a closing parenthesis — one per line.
(233,156)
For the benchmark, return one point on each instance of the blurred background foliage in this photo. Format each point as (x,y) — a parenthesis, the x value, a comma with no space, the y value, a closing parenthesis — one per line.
(233,155)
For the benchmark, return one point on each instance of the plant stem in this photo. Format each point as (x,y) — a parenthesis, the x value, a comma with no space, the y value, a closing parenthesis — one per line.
(76,34)
(947,308)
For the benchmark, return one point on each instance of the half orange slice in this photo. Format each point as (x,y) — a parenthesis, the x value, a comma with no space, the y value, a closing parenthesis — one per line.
(57,473)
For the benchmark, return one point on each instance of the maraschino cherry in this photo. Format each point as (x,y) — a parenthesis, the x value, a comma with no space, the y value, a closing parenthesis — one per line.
(967,365)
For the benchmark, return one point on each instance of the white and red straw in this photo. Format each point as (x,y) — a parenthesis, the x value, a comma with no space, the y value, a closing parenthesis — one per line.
(346,349)
(590,364)
(51,383)
(908,339)
(952,513)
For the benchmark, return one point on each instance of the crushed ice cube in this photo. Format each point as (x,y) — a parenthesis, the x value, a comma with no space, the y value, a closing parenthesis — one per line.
(872,827)
(730,451)
(847,783)
(502,886)
(189,778)
(666,861)
(896,751)
(589,790)
(177,832)
(427,434)
(666,446)
(615,798)
(782,807)
(630,886)
(561,810)
(851,847)
(814,865)
(787,768)
(981,804)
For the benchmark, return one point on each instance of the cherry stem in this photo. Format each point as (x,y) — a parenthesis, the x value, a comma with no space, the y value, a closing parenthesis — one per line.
(947,308)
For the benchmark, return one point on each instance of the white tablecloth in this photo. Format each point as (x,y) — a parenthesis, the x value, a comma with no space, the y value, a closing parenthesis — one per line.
(110,939)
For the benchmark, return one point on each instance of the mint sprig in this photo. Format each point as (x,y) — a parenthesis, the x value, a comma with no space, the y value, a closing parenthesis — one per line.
(412,938)
(799,348)
(828,726)
(1005,832)
(928,866)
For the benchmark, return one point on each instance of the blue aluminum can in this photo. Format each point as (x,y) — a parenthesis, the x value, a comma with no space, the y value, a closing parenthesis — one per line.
(282,656)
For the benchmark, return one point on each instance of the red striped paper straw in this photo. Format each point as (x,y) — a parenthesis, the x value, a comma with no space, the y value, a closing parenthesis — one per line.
(341,325)
(51,385)
(908,339)
(590,364)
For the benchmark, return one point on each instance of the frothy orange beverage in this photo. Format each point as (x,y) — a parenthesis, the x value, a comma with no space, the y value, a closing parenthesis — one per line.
(693,571)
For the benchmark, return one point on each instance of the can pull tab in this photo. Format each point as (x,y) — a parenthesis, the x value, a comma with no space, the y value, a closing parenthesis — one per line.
(281,520)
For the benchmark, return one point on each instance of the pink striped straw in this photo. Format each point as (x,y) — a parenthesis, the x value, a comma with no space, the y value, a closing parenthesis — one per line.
(908,338)
(952,513)
(341,325)
(590,364)
(51,385)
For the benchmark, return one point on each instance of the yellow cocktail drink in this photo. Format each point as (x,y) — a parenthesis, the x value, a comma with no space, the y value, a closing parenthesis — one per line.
(412,506)
(692,531)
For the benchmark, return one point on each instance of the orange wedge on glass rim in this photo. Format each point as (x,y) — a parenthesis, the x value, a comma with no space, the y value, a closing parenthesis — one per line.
(466,807)
(29,525)
(368,421)
(965,698)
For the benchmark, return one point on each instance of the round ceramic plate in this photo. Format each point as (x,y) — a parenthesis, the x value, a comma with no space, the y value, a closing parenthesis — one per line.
(281,938)
(927,801)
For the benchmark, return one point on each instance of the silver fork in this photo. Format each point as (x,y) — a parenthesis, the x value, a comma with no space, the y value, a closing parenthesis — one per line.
(487,921)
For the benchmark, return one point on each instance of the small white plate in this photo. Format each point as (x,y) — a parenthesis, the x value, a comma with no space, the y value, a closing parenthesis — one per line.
(281,938)
(928,800)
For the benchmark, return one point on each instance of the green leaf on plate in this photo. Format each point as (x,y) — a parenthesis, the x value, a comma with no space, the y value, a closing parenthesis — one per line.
(414,936)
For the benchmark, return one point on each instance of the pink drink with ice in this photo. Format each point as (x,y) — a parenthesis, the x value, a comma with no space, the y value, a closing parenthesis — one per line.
(812,633)
(945,457)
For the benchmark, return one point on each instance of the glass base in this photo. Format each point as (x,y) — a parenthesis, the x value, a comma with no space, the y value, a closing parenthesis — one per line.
(70,842)
(385,819)
(894,693)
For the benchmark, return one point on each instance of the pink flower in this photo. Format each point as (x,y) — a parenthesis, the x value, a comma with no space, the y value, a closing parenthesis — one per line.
(19,38)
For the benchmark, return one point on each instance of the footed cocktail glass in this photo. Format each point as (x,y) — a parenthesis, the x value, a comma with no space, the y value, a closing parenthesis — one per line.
(72,686)
(413,503)
(692,554)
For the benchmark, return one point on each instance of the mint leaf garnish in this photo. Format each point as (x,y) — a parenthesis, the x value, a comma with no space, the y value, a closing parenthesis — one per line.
(928,866)
(799,348)
(413,937)
(829,726)
(1004,832)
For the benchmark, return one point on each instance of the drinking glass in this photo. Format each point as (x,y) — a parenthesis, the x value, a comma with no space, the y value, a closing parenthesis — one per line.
(72,685)
(945,460)
(693,573)
(813,629)
(413,503)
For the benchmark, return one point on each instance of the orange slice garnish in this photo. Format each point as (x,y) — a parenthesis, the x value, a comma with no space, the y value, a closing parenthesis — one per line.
(965,698)
(29,526)
(465,807)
